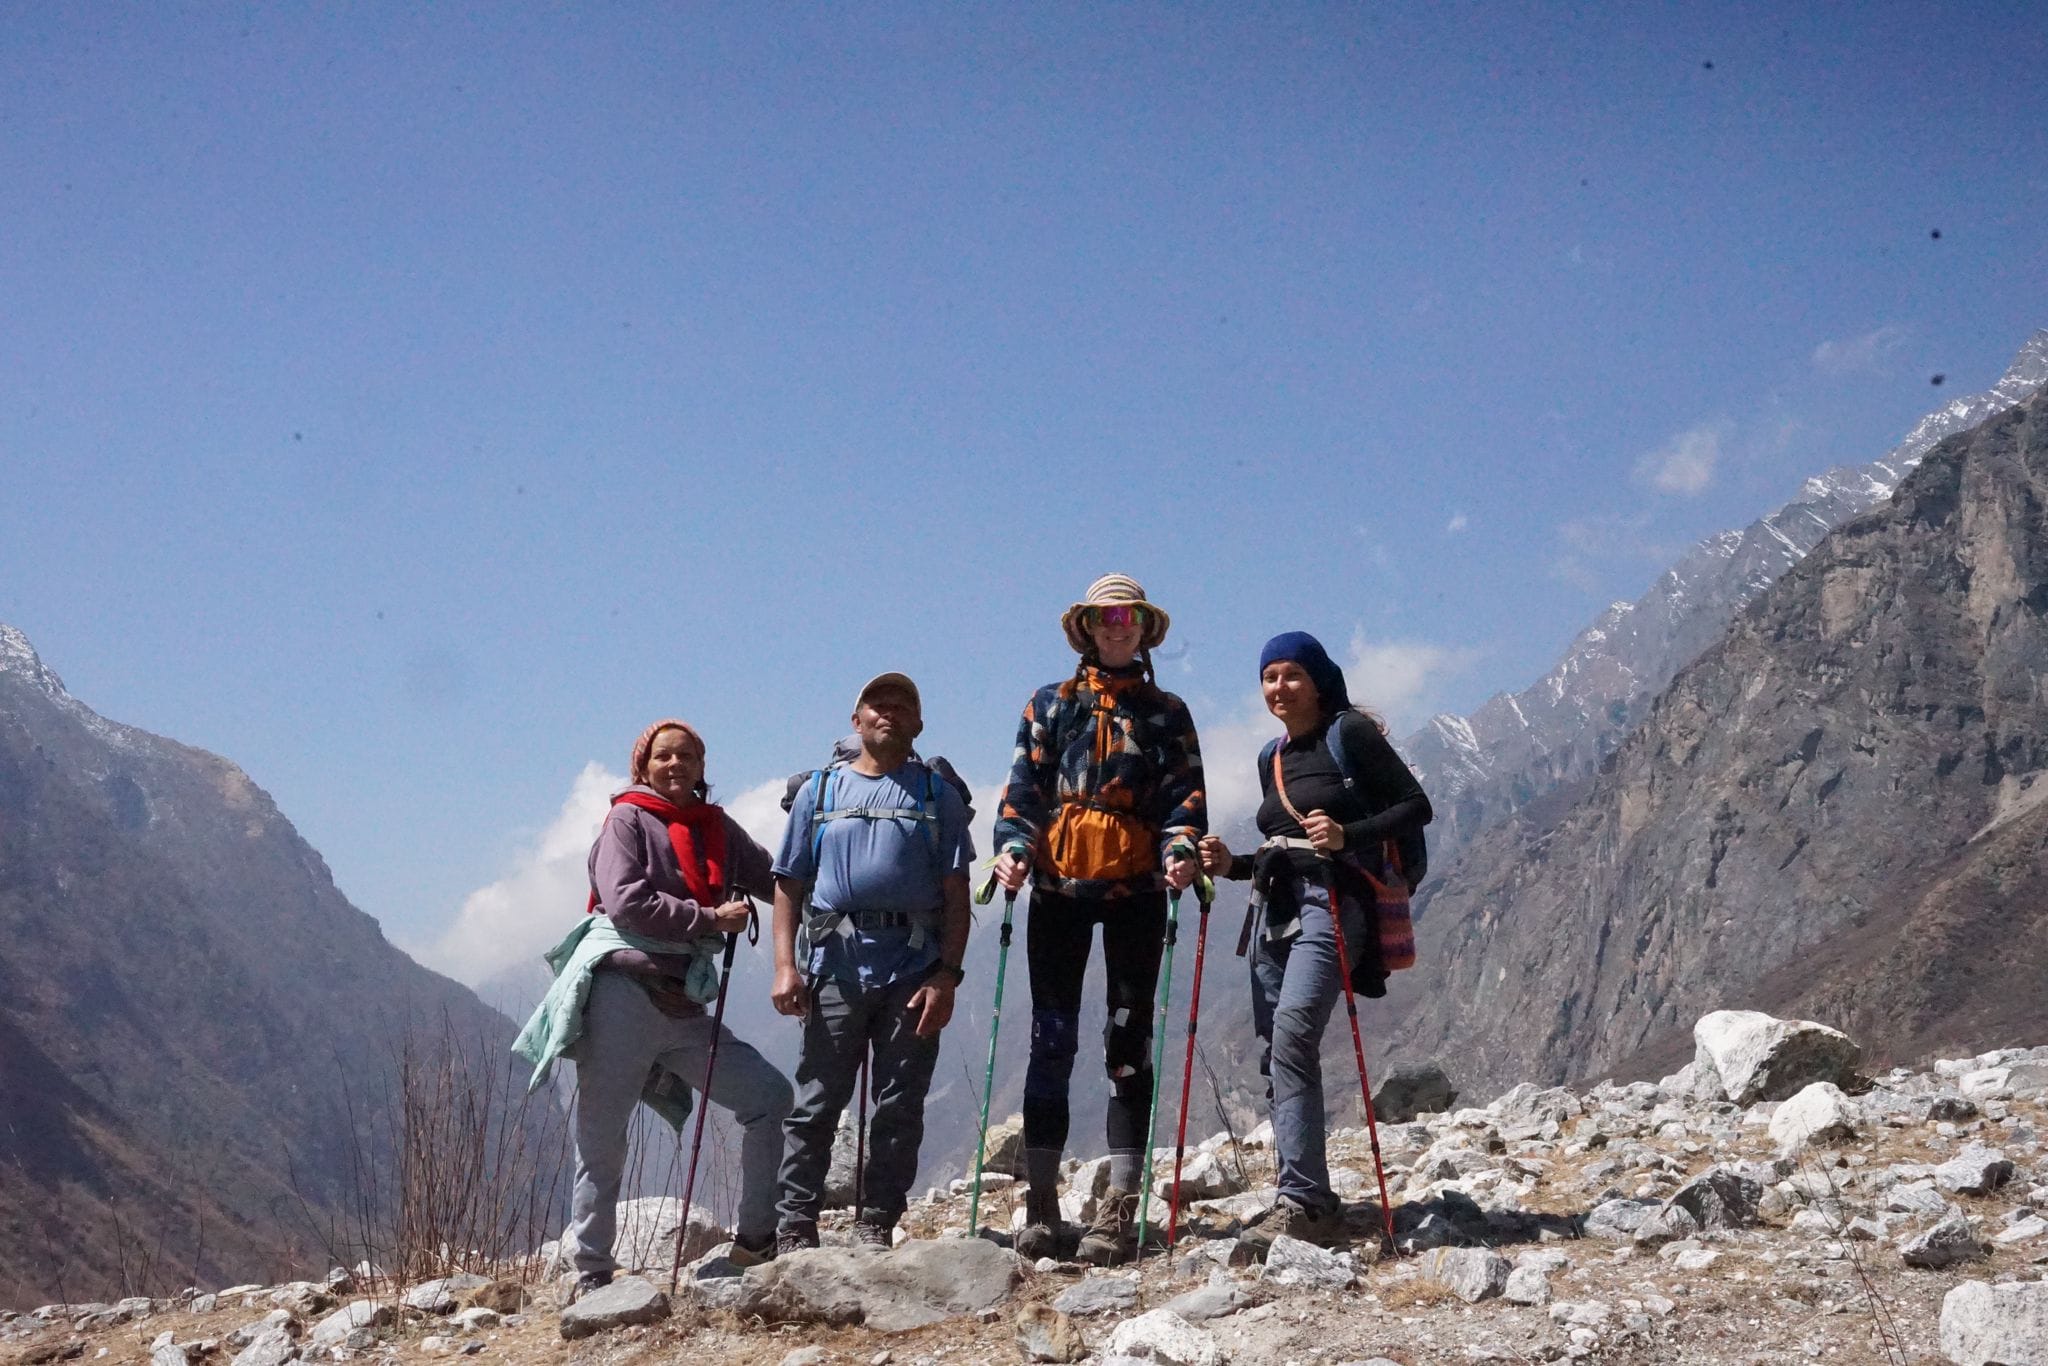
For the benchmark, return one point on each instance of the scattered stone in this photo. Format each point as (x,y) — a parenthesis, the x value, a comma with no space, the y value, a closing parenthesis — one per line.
(440,1297)
(1218,1299)
(478,1317)
(920,1282)
(1527,1285)
(1745,1056)
(1205,1176)
(1413,1090)
(1699,1259)
(1948,1242)
(804,1356)
(1996,1325)
(276,1321)
(1293,1262)
(1045,1334)
(1721,1197)
(1098,1294)
(1819,1114)
(169,1354)
(1976,1170)
(1165,1337)
(335,1328)
(1471,1273)
(1617,1220)
(627,1300)
(271,1349)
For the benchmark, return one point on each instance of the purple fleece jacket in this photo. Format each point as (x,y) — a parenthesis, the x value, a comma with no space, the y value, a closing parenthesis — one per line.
(640,886)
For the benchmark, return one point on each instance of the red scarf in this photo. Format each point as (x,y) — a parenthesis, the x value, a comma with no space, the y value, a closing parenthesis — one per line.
(703,869)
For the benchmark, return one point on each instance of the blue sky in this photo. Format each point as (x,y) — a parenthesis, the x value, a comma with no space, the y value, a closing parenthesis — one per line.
(411,402)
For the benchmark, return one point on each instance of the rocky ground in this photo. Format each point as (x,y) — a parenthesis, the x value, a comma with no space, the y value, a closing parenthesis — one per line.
(1765,1205)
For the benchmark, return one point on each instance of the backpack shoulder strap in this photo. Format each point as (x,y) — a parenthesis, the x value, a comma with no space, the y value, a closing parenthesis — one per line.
(1334,739)
(821,802)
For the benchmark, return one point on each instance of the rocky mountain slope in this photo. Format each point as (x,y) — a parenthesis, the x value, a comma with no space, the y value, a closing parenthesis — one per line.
(1746,1212)
(195,1025)
(1519,747)
(1837,808)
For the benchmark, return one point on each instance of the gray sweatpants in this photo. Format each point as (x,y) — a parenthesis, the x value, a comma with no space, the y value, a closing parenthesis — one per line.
(624,1036)
(843,1023)
(1295,986)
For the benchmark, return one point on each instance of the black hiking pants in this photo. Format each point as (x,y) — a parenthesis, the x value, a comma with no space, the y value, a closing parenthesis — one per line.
(1059,931)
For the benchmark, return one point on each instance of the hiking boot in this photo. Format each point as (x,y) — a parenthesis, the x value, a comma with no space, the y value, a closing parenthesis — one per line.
(1287,1219)
(745,1254)
(1112,1236)
(795,1238)
(867,1233)
(1043,1233)
(588,1281)
(1038,1240)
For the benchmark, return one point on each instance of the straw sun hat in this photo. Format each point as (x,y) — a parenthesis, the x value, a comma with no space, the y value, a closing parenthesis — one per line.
(1114,590)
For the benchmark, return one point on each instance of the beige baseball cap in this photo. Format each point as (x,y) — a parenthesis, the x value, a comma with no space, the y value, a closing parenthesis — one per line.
(892,679)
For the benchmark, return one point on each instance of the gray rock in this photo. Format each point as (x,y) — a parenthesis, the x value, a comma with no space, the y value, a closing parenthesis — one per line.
(439,1297)
(169,1354)
(271,1349)
(1952,1240)
(1996,1325)
(1045,1334)
(1166,1338)
(1212,1254)
(276,1321)
(813,1355)
(918,1283)
(1616,1221)
(1915,1197)
(1527,1285)
(1215,1300)
(1976,1170)
(1699,1259)
(1293,1262)
(334,1330)
(204,1304)
(1819,1114)
(2021,1230)
(627,1300)
(1745,1055)
(1203,1176)
(478,1317)
(1098,1294)
(1720,1197)
(1471,1273)
(1413,1090)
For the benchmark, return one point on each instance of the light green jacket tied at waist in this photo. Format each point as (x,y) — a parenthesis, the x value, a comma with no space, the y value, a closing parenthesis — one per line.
(557,1021)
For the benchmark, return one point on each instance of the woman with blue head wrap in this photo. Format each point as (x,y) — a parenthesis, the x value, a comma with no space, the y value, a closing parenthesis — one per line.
(1326,820)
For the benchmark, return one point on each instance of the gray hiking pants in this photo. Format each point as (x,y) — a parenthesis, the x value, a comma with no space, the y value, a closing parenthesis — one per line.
(624,1036)
(843,1023)
(1295,986)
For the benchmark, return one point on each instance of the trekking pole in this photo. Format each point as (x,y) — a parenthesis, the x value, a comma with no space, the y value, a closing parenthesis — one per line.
(995,1021)
(732,940)
(860,1136)
(1158,1058)
(1358,1047)
(1205,895)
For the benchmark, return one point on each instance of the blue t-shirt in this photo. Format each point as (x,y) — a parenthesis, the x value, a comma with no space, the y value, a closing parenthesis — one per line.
(880,863)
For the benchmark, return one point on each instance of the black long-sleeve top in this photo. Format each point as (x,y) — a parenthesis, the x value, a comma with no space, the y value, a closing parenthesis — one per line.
(1385,802)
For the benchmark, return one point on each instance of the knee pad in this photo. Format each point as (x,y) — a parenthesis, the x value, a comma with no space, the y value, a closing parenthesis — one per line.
(1127,1044)
(1055,1039)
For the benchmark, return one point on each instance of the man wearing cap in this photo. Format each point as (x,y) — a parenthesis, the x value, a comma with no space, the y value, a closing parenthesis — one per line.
(873,870)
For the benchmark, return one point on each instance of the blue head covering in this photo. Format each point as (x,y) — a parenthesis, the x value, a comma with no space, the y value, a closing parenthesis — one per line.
(1299,647)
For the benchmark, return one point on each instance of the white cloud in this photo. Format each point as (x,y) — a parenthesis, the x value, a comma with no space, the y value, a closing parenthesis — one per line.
(758,811)
(1459,521)
(523,913)
(1685,464)
(1866,354)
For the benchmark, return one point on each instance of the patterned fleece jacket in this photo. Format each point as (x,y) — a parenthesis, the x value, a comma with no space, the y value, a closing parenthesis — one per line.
(1103,741)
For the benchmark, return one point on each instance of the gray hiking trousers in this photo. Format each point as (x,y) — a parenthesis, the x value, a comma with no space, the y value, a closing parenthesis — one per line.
(1295,986)
(624,1036)
(845,1020)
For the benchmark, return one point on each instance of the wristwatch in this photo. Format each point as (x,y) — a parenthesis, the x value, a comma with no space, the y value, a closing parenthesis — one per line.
(952,970)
